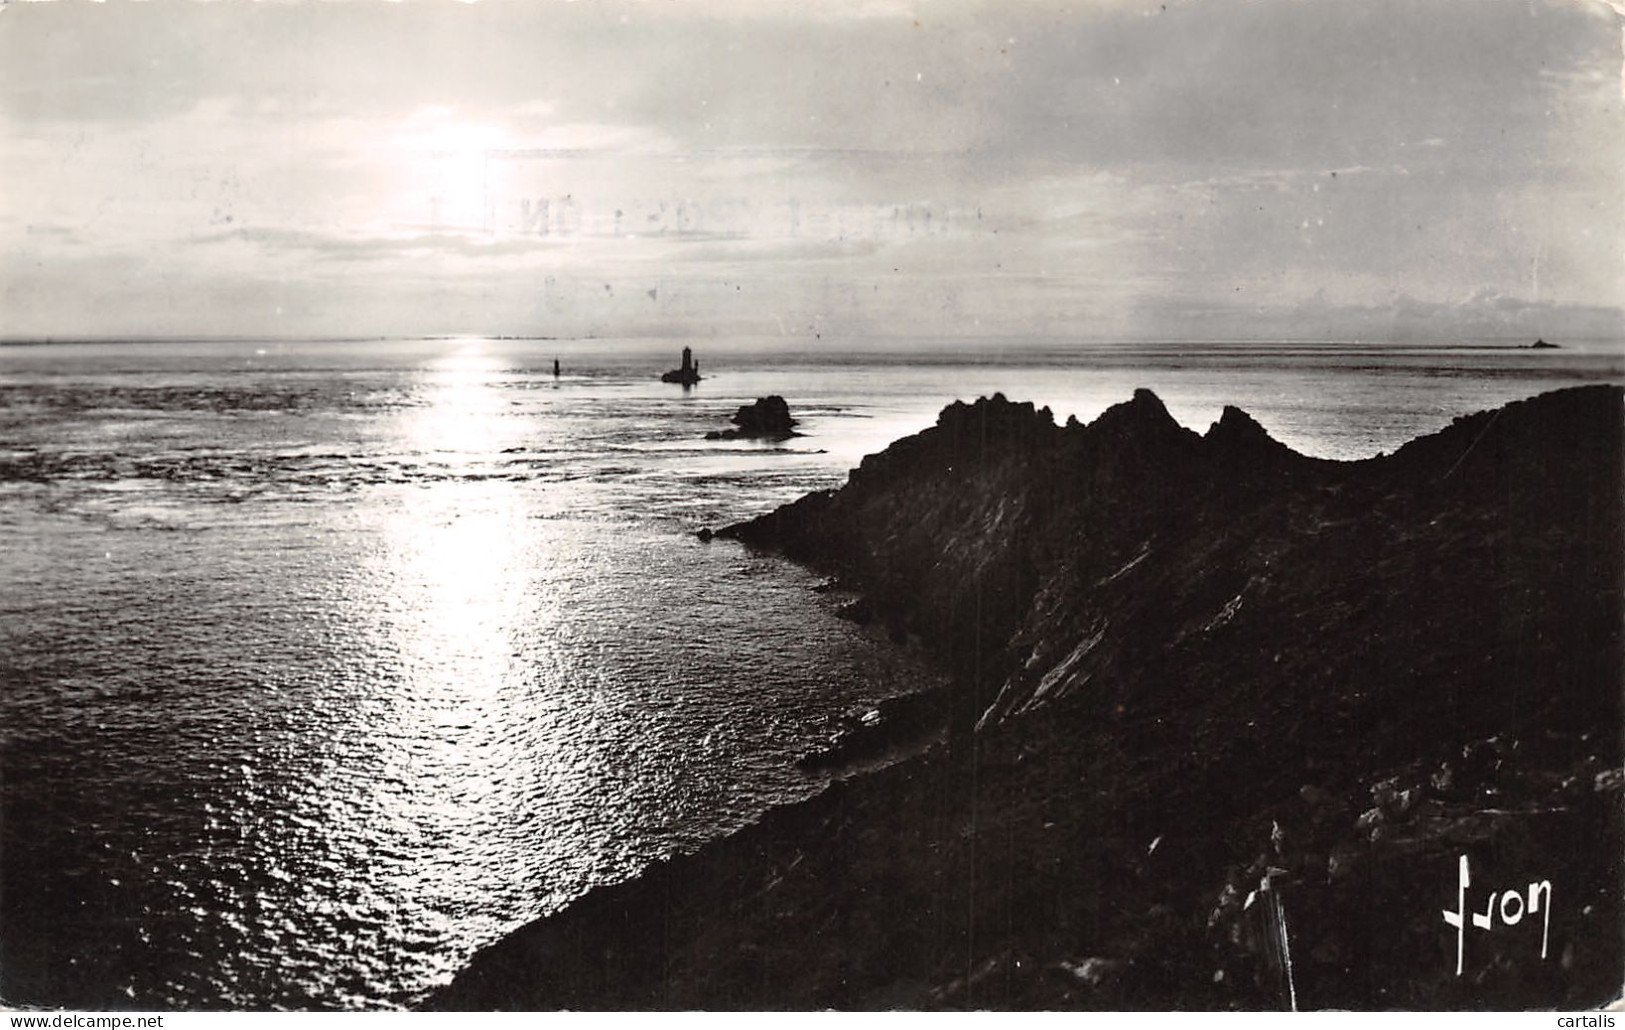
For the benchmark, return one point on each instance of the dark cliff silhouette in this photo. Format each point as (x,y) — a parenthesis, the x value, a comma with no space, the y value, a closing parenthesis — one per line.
(1213,703)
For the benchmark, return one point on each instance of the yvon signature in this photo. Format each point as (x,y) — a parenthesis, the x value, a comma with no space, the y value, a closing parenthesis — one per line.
(1513,906)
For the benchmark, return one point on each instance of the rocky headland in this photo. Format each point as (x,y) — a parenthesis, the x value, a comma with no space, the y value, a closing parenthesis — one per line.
(1226,725)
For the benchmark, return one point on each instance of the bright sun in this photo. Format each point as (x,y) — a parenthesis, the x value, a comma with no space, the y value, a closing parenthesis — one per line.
(447,161)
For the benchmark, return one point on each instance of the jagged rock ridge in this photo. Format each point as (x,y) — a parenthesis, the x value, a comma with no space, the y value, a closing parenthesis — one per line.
(1183,664)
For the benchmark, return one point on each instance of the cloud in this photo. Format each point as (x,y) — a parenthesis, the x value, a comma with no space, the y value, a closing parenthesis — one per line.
(330,246)
(1036,165)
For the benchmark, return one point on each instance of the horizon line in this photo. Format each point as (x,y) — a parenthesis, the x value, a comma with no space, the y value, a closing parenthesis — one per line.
(48,339)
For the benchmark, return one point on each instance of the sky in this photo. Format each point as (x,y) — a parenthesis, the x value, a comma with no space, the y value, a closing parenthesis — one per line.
(1270,169)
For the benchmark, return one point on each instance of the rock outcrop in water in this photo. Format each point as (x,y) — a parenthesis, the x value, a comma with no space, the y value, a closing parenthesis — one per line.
(1214,703)
(768,418)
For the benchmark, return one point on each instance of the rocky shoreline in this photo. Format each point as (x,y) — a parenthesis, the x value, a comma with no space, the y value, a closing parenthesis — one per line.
(1224,724)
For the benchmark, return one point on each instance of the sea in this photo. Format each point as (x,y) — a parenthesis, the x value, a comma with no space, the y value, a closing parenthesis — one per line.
(325,663)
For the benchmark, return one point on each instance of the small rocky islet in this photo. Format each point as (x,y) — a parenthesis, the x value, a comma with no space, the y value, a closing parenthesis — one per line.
(767,418)
(1227,727)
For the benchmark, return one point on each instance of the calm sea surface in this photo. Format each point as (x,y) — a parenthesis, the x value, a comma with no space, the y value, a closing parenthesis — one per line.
(323,664)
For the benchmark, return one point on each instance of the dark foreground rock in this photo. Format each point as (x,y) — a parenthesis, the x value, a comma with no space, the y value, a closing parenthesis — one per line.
(1218,710)
(766,419)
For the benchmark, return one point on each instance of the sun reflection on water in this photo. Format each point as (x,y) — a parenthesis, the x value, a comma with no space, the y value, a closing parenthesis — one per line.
(462,631)
(441,665)
(462,412)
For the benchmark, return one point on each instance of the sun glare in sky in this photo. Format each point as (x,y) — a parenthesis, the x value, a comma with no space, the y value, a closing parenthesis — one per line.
(1224,170)
(445,159)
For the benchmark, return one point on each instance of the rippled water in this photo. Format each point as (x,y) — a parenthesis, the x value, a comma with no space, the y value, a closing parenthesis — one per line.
(323,664)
